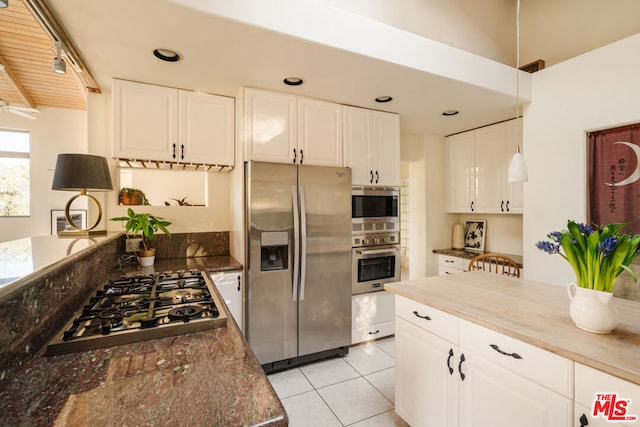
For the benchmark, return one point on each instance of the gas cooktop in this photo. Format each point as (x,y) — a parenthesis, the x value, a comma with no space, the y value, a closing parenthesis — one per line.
(142,307)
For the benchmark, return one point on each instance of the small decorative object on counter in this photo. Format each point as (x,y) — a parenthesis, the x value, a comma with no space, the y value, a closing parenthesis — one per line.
(132,196)
(146,225)
(458,236)
(597,255)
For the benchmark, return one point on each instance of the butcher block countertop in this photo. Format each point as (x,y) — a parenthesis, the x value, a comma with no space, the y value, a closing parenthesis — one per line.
(203,378)
(534,313)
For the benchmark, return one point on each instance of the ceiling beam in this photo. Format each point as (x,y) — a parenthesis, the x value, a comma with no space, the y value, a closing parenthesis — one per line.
(54,29)
(15,82)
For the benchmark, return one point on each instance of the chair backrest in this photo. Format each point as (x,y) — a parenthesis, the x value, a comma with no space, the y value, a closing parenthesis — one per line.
(495,263)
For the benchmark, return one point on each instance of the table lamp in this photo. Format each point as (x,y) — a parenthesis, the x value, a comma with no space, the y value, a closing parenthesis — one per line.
(81,172)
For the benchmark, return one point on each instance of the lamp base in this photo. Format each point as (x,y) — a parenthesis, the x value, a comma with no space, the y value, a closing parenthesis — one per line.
(81,233)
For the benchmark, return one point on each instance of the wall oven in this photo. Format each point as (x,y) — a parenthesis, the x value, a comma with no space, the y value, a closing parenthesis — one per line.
(373,266)
(374,209)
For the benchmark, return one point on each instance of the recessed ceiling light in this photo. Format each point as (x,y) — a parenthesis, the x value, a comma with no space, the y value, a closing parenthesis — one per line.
(450,112)
(293,81)
(167,55)
(384,99)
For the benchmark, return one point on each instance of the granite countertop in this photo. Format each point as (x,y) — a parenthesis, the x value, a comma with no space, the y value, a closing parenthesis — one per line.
(534,313)
(203,378)
(461,253)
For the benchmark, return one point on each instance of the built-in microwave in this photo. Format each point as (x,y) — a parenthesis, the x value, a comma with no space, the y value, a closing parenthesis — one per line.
(374,209)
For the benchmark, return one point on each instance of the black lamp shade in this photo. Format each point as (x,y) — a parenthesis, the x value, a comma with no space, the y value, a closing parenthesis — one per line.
(81,172)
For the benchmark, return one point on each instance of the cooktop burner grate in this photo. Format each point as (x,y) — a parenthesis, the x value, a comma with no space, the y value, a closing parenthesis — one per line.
(140,307)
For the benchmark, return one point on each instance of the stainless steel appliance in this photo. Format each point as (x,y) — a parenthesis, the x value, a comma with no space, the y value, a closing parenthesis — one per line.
(376,238)
(298,296)
(141,307)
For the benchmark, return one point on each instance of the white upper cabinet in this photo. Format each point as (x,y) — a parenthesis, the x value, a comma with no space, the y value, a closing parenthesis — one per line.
(167,124)
(461,176)
(372,146)
(145,121)
(478,164)
(285,128)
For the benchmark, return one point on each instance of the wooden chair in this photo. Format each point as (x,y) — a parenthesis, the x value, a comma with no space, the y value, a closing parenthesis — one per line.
(495,263)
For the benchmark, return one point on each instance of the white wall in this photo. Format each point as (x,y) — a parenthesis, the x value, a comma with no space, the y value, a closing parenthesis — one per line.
(55,131)
(594,91)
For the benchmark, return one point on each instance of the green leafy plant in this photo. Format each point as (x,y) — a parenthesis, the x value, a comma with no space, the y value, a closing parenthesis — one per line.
(144,224)
(597,254)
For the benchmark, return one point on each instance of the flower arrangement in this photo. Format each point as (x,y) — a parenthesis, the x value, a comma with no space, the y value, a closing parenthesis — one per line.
(597,254)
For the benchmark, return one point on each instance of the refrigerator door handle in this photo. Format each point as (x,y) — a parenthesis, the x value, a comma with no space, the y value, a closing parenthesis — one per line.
(303,237)
(296,243)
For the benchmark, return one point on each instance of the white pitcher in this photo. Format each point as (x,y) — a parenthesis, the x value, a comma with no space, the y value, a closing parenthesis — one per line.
(592,310)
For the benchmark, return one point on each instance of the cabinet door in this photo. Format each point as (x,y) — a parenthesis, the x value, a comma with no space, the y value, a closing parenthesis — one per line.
(271,126)
(230,287)
(206,128)
(145,121)
(490,169)
(425,387)
(358,144)
(386,136)
(494,395)
(513,191)
(319,132)
(372,316)
(461,173)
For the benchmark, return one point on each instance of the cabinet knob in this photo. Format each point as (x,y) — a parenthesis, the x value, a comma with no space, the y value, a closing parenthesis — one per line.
(502,206)
(174,150)
(472,207)
(377,177)
(294,156)
(421,317)
(238,283)
(301,156)
(371,179)
(377,331)
(508,209)
(583,420)
(182,152)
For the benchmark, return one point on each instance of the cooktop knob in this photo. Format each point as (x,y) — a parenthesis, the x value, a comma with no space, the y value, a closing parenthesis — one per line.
(386,239)
(376,241)
(365,241)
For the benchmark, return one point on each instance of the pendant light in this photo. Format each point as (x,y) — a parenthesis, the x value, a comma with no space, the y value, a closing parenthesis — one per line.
(517,166)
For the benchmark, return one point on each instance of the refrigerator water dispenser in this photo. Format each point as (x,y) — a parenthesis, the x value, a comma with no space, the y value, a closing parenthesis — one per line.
(274,250)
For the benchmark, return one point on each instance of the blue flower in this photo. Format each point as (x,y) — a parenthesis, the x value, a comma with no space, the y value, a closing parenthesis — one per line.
(607,245)
(585,229)
(555,236)
(549,247)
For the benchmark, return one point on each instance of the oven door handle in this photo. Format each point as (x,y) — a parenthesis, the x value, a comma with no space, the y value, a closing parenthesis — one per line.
(391,250)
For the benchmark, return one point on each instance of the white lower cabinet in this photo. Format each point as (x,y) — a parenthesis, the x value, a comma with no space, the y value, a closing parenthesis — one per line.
(450,372)
(591,382)
(230,287)
(372,316)
(448,264)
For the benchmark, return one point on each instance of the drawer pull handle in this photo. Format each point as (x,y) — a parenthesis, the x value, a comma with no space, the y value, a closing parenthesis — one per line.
(449,261)
(377,331)
(421,317)
(496,348)
(462,359)
(449,361)
(583,420)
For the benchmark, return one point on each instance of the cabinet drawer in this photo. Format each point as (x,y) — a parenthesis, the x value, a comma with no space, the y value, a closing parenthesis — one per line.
(372,308)
(444,270)
(452,262)
(373,332)
(590,381)
(545,368)
(430,319)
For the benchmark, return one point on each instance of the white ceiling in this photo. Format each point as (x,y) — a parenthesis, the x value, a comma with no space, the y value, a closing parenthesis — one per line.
(346,59)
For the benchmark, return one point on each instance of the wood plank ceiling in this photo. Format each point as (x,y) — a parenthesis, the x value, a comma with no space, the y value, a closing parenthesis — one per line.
(26,74)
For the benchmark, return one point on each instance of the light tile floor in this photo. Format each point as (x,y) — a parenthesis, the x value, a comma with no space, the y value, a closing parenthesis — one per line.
(356,390)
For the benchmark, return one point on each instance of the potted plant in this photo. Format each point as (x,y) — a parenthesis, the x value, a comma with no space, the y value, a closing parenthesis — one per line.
(598,255)
(132,196)
(145,225)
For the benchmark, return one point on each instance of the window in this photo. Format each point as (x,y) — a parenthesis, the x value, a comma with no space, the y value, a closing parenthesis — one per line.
(15,194)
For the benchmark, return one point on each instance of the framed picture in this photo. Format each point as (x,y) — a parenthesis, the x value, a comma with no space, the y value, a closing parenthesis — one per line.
(474,232)
(59,222)
(613,168)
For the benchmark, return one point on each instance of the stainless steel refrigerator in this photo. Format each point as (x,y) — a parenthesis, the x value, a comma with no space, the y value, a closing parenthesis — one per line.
(298,300)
